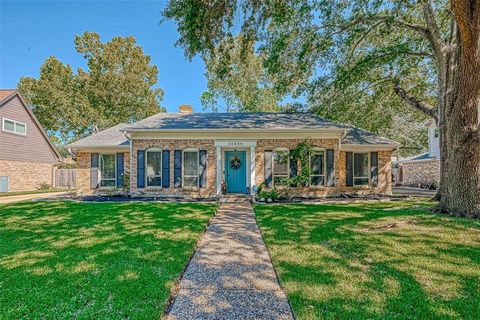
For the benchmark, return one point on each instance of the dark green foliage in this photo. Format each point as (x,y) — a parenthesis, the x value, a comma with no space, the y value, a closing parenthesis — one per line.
(118,86)
(342,57)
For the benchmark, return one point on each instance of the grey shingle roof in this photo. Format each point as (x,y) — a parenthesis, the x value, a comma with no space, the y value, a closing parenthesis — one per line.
(111,137)
(114,137)
(235,120)
(418,157)
(356,135)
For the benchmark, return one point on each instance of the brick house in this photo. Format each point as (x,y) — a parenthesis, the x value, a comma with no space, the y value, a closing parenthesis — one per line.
(200,155)
(27,157)
(422,170)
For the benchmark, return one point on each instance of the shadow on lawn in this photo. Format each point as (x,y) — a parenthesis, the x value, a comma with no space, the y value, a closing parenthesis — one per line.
(383,260)
(66,259)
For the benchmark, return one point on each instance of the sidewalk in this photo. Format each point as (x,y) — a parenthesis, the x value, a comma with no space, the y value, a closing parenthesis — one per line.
(230,275)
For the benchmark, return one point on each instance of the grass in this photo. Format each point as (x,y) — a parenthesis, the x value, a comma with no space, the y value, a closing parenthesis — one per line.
(20,193)
(374,260)
(67,260)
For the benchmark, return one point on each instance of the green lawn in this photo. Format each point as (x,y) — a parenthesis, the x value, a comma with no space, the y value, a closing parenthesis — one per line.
(374,261)
(68,260)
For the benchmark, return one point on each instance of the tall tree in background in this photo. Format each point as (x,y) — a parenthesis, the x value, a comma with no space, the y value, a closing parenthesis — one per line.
(117,87)
(236,79)
(360,42)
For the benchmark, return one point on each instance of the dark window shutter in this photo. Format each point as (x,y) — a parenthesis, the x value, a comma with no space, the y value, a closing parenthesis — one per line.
(202,167)
(119,170)
(141,168)
(349,160)
(293,169)
(374,168)
(94,161)
(268,168)
(165,168)
(177,170)
(330,168)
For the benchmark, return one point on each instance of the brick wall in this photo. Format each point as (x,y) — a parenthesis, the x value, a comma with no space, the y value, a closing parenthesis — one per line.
(208,191)
(83,172)
(421,173)
(26,176)
(384,186)
(384,170)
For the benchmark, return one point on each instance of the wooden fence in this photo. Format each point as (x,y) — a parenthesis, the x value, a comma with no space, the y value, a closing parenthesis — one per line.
(65,178)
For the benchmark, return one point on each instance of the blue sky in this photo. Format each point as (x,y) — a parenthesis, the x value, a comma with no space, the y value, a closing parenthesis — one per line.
(31,31)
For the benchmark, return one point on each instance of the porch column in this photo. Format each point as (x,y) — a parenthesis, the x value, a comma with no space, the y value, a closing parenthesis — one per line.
(252,167)
(219,170)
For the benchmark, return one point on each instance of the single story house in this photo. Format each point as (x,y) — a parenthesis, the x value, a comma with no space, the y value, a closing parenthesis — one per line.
(203,155)
(421,170)
(27,157)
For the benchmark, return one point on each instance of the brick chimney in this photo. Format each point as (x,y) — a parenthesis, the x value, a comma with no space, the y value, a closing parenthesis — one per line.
(185,108)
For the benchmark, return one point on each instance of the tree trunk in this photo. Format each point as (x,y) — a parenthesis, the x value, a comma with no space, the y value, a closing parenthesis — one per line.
(462,196)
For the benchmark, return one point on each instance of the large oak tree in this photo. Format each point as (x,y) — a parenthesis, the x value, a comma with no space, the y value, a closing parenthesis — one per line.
(116,87)
(364,41)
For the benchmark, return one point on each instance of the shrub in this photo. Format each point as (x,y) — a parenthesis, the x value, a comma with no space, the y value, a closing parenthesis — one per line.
(43,186)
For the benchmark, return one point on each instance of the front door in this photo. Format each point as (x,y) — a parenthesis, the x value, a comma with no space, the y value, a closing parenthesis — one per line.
(236,171)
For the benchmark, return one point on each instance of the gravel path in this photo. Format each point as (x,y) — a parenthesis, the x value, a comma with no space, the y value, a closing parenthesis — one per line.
(230,275)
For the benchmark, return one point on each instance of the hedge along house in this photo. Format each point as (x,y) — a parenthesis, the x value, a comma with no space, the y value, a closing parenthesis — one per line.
(203,155)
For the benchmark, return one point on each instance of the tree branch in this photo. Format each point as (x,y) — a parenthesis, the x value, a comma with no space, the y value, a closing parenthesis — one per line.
(415,103)
(432,25)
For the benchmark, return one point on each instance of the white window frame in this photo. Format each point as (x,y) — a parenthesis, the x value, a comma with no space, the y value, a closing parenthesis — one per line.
(324,175)
(273,166)
(14,126)
(146,167)
(436,132)
(101,167)
(183,168)
(368,168)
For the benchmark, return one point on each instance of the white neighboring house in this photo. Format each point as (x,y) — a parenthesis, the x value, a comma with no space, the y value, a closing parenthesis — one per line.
(422,170)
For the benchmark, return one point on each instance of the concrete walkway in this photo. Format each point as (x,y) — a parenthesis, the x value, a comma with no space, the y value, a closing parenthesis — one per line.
(34,196)
(230,275)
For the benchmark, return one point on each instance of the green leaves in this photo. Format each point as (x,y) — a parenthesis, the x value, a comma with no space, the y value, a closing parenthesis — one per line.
(117,87)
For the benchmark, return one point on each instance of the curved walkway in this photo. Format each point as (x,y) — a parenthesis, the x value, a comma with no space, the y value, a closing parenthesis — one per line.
(230,275)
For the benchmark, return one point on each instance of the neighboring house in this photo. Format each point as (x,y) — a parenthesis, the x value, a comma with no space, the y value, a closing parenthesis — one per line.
(422,170)
(27,156)
(200,154)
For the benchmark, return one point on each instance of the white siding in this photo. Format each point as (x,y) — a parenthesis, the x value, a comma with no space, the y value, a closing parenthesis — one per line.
(433,143)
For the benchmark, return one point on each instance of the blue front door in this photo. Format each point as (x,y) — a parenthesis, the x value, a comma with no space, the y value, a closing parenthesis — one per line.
(236,171)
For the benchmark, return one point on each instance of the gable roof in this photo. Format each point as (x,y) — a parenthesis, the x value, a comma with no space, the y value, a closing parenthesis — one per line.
(234,120)
(4,93)
(113,137)
(8,94)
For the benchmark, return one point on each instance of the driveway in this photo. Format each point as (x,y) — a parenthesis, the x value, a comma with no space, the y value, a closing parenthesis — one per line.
(231,275)
(36,196)
(413,192)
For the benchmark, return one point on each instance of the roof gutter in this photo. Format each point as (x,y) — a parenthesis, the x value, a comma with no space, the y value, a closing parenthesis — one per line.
(235,130)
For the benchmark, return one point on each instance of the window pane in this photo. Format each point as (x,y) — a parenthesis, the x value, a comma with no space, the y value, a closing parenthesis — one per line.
(360,165)
(20,128)
(154,181)
(317,163)
(107,166)
(317,180)
(280,162)
(190,163)
(360,181)
(190,181)
(107,183)
(280,180)
(154,162)
(9,126)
